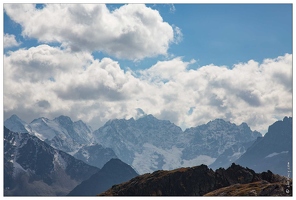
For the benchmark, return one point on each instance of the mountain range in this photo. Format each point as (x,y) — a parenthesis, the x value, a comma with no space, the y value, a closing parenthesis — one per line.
(149,144)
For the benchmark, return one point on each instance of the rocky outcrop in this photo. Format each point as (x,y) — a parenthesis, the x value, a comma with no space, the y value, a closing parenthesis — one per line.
(192,181)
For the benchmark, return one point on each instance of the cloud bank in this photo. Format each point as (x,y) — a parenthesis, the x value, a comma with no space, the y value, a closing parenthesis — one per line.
(132,31)
(52,80)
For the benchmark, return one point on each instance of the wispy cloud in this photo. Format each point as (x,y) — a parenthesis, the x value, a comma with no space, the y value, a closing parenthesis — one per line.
(172,8)
(178,35)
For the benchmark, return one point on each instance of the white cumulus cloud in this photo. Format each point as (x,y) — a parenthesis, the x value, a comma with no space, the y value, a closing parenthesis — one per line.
(132,31)
(49,81)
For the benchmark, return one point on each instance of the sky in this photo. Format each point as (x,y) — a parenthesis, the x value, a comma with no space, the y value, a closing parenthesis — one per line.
(187,63)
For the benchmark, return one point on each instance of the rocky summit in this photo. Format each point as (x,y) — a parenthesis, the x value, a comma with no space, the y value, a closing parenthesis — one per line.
(192,181)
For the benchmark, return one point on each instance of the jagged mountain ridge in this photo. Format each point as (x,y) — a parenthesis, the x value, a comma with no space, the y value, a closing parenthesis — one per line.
(221,134)
(32,167)
(192,181)
(150,144)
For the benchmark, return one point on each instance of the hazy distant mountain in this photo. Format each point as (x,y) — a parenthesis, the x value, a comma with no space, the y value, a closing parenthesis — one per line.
(273,151)
(149,144)
(114,172)
(95,155)
(15,124)
(32,167)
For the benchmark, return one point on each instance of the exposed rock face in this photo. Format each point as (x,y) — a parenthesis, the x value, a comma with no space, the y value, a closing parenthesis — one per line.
(193,181)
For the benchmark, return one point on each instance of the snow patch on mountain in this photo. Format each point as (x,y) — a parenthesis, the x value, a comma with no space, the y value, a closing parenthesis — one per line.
(275,154)
(235,156)
(152,158)
(58,161)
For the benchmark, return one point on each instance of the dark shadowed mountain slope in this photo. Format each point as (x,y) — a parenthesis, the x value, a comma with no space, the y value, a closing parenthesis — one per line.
(114,172)
(34,168)
(193,181)
(273,151)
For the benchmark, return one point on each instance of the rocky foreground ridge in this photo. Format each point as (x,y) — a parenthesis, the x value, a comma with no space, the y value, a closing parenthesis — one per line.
(201,180)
